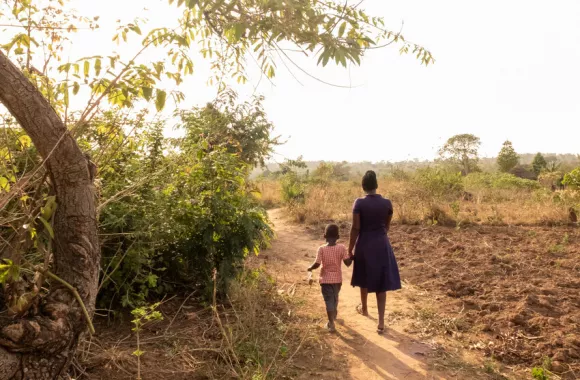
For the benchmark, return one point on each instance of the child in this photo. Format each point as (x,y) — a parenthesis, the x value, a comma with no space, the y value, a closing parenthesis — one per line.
(330,256)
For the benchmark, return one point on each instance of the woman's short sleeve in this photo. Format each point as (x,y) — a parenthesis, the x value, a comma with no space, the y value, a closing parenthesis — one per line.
(389,207)
(356,206)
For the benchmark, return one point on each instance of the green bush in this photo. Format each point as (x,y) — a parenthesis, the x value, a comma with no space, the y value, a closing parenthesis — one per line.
(174,209)
(439,183)
(572,179)
(503,181)
(293,188)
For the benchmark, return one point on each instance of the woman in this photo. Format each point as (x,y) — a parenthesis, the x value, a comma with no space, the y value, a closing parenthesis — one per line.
(375,268)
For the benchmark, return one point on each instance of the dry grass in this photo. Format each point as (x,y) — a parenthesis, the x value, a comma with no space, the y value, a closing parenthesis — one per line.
(269,193)
(412,206)
(256,337)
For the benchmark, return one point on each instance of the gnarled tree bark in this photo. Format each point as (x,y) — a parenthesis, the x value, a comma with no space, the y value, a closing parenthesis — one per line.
(41,347)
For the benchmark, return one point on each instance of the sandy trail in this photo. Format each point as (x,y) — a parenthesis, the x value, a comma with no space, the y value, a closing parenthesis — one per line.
(363,353)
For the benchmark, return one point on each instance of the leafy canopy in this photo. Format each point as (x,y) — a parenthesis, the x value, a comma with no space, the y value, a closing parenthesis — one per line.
(228,33)
(507,159)
(539,163)
(241,129)
(462,150)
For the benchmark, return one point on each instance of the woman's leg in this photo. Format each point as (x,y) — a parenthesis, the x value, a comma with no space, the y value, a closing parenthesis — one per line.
(363,301)
(381,305)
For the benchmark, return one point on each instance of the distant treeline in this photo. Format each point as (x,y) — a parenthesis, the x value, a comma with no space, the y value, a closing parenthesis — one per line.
(567,162)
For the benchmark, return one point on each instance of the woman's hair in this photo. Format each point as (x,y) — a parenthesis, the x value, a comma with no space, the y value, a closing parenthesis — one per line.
(369,181)
(331,232)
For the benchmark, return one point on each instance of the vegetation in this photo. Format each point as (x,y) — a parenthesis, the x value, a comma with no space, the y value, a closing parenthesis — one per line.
(52,164)
(539,163)
(443,194)
(572,179)
(462,151)
(211,219)
(507,158)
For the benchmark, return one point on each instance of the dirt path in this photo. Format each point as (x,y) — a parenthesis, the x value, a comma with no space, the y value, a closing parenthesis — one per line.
(361,352)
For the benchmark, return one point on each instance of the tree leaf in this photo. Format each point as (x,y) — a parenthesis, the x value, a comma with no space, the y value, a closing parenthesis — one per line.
(47,226)
(161,96)
(326,57)
(66,95)
(76,88)
(138,352)
(86,68)
(342,29)
(4,185)
(97,66)
(147,93)
(238,31)
(25,141)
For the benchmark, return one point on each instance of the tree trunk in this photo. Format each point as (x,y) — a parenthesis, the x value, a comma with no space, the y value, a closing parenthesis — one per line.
(41,347)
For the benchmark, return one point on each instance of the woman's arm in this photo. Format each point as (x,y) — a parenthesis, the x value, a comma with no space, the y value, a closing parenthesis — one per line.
(388,222)
(389,216)
(354,231)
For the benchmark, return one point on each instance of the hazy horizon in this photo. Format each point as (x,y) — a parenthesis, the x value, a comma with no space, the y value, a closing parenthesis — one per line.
(527,158)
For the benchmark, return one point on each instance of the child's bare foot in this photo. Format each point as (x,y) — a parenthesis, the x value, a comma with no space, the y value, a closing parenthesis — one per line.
(331,328)
(361,311)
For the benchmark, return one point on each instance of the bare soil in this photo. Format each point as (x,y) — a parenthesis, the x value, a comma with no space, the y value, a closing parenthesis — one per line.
(518,288)
(502,299)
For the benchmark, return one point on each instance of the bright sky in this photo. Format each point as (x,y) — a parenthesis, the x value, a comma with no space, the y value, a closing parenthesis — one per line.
(504,70)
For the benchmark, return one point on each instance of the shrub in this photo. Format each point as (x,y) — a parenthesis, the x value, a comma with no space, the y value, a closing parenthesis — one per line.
(439,183)
(525,172)
(328,171)
(175,209)
(293,188)
(499,181)
(572,178)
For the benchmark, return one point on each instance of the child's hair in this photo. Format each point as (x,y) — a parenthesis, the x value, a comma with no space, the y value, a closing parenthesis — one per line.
(331,232)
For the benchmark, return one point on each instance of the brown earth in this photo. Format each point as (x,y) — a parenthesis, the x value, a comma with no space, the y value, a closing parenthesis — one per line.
(504,299)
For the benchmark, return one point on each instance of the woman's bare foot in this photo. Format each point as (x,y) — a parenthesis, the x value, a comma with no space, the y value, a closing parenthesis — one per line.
(361,311)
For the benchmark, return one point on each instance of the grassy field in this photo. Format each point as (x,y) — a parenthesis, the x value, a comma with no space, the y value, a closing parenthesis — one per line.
(476,204)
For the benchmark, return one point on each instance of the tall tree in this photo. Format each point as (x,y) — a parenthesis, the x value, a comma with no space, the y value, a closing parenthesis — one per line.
(40,343)
(462,150)
(553,165)
(507,159)
(539,163)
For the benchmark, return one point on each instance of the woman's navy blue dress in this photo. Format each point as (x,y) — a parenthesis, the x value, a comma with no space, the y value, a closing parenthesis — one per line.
(375,266)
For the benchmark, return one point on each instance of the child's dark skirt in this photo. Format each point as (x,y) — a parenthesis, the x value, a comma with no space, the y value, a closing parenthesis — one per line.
(330,294)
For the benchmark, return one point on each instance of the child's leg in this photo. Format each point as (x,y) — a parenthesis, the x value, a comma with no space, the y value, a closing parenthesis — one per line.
(330,301)
(331,316)
(338,286)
